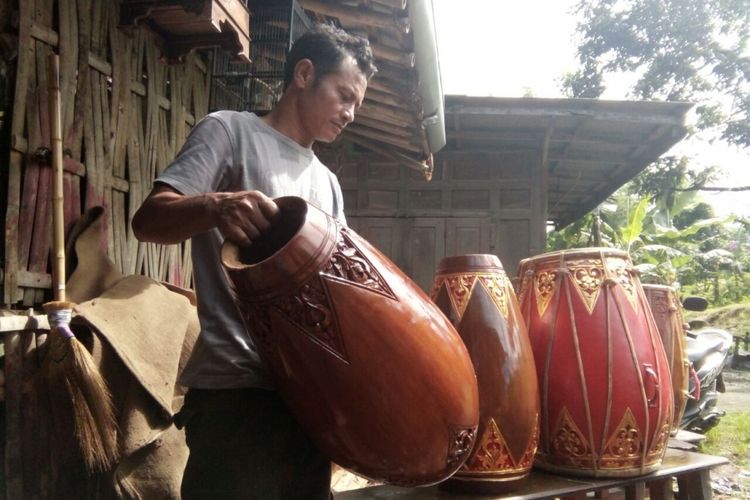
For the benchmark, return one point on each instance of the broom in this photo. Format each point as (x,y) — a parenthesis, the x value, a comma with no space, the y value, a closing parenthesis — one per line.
(68,372)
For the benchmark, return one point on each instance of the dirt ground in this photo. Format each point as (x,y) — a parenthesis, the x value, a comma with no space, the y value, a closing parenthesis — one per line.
(730,481)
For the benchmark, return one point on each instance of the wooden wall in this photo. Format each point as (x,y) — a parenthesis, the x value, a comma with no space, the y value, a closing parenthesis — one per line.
(125,115)
(475,203)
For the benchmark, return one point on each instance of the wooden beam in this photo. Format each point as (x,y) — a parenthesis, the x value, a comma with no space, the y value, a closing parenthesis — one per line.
(424,167)
(378,135)
(400,102)
(400,58)
(358,16)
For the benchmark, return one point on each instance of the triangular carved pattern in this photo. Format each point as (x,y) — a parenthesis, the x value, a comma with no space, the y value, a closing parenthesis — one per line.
(588,277)
(498,287)
(492,453)
(527,460)
(625,277)
(348,263)
(545,283)
(459,288)
(626,442)
(567,440)
(660,442)
(526,280)
(311,311)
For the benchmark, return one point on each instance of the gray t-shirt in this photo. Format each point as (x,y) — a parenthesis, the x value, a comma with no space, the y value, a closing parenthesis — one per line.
(236,151)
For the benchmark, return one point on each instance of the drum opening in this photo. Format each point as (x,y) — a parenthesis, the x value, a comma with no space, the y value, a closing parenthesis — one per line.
(292,212)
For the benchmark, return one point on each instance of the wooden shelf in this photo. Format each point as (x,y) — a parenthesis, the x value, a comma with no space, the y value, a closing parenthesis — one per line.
(181,26)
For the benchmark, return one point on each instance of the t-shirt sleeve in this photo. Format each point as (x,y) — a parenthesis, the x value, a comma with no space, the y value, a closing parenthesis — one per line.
(338,198)
(203,162)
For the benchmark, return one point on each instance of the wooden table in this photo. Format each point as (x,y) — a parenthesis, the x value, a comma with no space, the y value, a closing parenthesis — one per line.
(692,471)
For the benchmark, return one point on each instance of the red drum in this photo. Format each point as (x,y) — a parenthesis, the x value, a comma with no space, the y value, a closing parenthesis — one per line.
(667,311)
(606,397)
(476,295)
(368,364)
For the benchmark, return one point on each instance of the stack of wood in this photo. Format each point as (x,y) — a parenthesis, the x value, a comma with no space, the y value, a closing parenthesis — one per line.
(390,120)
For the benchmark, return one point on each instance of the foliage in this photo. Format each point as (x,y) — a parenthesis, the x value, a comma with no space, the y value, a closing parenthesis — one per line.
(673,50)
(691,250)
(730,439)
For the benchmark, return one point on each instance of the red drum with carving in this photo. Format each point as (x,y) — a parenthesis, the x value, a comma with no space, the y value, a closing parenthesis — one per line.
(477,296)
(368,364)
(667,311)
(606,396)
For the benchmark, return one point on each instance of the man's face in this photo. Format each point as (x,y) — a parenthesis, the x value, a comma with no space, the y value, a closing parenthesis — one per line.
(331,101)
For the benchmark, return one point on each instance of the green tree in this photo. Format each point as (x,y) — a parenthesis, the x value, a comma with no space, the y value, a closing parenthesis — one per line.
(674,50)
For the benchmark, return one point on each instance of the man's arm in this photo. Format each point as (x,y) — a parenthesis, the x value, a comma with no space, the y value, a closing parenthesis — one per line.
(168,216)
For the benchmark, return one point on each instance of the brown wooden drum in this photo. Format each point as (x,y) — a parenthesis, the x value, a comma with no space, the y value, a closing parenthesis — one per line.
(476,295)
(606,397)
(368,364)
(667,311)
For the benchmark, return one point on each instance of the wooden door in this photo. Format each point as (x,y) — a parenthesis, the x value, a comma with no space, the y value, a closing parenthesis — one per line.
(424,246)
(385,233)
(468,235)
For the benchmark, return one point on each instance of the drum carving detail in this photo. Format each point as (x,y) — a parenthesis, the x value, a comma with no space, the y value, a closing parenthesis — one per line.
(667,311)
(603,372)
(476,295)
(374,372)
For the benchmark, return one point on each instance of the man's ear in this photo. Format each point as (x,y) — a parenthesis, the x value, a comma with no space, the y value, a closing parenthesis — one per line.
(304,73)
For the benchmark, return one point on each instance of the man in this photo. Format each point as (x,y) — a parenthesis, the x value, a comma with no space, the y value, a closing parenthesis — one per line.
(243,443)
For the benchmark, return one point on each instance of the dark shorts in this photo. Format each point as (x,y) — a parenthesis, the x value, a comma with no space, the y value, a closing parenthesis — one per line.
(244,444)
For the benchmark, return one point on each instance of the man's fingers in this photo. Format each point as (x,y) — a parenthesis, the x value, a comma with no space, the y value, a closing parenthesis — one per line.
(269,208)
(237,236)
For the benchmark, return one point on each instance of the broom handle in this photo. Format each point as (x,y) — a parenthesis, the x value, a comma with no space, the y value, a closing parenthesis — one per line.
(58,223)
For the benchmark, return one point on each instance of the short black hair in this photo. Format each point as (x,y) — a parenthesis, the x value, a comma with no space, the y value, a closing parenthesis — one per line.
(327,46)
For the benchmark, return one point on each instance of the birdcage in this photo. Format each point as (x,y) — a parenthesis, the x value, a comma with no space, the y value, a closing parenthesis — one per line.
(256,86)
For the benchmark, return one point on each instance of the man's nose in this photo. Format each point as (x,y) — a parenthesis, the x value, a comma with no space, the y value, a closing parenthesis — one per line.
(348,114)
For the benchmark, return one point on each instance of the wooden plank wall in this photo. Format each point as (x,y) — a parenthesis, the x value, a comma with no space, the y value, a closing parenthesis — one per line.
(476,202)
(125,115)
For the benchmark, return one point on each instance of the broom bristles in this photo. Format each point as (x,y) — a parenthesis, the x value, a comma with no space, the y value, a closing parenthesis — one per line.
(69,372)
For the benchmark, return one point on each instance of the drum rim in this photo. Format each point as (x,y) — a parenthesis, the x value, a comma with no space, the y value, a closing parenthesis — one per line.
(576,252)
(472,262)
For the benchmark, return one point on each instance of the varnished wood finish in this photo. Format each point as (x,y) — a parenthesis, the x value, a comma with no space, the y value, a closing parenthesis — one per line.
(372,369)
(667,311)
(606,396)
(476,295)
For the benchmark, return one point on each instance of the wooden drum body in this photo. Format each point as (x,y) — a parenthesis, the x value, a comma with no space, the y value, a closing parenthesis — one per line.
(667,311)
(606,396)
(476,295)
(371,368)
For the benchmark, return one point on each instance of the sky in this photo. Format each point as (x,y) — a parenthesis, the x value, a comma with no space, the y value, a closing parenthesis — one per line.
(512,48)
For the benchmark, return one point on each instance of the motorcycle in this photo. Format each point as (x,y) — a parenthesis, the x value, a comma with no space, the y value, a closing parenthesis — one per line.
(708,351)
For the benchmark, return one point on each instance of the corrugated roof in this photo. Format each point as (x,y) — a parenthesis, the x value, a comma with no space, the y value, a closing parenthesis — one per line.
(590,147)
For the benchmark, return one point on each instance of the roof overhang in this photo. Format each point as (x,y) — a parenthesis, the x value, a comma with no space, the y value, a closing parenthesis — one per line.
(589,147)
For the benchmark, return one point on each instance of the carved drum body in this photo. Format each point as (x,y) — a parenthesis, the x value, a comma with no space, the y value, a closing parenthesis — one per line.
(477,296)
(370,367)
(606,397)
(667,311)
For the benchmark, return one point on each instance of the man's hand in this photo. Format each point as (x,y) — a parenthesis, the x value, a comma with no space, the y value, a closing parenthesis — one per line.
(167,216)
(243,216)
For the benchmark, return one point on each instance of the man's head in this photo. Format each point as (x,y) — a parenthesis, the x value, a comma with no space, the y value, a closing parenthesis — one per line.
(327,72)
(327,47)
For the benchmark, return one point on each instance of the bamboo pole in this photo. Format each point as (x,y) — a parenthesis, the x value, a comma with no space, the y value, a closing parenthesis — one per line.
(58,207)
